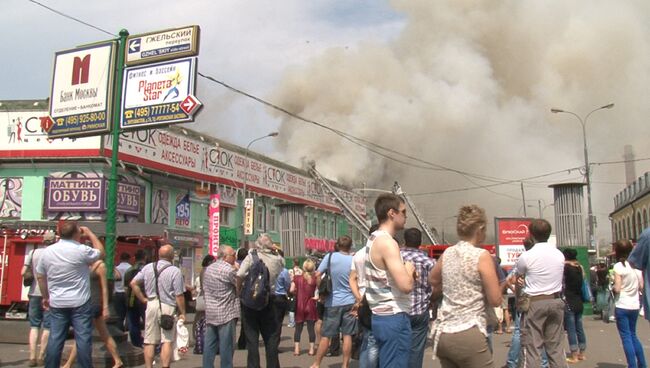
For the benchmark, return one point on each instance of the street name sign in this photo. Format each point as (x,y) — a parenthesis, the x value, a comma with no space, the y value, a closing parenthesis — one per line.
(162,45)
(82,90)
(159,94)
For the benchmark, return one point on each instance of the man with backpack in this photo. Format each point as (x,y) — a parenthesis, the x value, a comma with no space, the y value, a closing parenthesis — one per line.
(256,279)
(134,309)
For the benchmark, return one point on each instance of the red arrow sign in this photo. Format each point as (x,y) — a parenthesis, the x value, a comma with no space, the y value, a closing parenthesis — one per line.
(190,104)
(46,123)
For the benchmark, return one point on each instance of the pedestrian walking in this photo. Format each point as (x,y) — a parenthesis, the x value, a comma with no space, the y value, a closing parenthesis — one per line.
(420,296)
(221,308)
(303,288)
(293,272)
(389,282)
(256,278)
(164,288)
(627,284)
(99,307)
(573,283)
(241,342)
(640,259)
(198,327)
(466,278)
(119,295)
(337,317)
(543,318)
(369,354)
(135,310)
(281,300)
(63,278)
(39,318)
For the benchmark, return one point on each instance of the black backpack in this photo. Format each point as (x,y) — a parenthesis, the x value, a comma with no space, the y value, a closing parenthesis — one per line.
(257,285)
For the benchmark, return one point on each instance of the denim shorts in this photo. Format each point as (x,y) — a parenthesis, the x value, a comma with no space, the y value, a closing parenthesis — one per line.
(37,316)
(338,319)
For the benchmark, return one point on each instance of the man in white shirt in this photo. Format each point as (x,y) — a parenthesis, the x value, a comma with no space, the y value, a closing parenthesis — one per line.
(543,269)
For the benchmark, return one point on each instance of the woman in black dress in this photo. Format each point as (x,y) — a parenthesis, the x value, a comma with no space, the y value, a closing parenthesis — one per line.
(573,278)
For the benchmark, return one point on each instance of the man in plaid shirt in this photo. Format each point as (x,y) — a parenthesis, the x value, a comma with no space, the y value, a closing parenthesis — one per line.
(421,295)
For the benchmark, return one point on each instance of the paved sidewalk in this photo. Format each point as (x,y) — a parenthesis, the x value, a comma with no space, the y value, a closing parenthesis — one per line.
(604,350)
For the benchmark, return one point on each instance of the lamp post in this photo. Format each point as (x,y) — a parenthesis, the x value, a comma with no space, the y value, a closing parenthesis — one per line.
(583,123)
(272,134)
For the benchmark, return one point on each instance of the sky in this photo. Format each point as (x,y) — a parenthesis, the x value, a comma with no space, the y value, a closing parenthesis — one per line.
(463,84)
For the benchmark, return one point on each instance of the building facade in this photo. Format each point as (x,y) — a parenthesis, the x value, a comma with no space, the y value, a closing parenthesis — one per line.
(166,177)
(631,207)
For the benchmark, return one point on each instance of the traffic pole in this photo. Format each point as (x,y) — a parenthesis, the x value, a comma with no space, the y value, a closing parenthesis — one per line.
(111,210)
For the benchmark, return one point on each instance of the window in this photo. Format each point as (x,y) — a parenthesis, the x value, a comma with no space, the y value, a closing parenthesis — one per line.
(314,225)
(272,220)
(645,218)
(259,218)
(333,229)
(225,216)
(323,230)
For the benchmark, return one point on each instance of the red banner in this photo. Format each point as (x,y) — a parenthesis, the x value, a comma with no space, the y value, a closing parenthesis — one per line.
(510,234)
(213,218)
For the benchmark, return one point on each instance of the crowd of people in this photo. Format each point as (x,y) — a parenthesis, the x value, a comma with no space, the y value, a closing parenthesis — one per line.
(381,302)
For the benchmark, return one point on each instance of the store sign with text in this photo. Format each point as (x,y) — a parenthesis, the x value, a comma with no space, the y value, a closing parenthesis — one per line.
(72,194)
(82,89)
(213,217)
(510,233)
(183,152)
(248,216)
(183,212)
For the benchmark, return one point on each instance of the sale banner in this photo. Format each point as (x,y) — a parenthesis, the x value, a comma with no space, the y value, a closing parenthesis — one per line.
(510,234)
(213,216)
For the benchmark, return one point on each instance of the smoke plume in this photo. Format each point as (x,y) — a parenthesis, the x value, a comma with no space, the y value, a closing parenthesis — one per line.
(469,85)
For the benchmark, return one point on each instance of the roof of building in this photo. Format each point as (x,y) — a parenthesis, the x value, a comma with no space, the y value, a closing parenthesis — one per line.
(24,105)
(632,193)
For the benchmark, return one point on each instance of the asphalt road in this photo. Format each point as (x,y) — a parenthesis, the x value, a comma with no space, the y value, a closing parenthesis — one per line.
(604,349)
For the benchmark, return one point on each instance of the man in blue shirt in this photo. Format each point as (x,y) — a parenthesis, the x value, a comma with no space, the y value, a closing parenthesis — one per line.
(63,277)
(281,300)
(339,303)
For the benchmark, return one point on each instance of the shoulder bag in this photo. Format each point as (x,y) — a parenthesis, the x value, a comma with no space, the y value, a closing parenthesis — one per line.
(166,320)
(325,286)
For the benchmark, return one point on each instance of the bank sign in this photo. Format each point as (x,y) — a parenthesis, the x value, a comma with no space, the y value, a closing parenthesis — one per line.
(159,94)
(80,100)
(510,234)
(89,195)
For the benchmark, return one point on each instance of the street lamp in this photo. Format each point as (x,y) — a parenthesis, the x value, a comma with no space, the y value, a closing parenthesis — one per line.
(583,123)
(247,165)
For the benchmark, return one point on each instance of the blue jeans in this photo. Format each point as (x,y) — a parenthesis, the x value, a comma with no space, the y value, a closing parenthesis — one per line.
(393,335)
(419,329)
(60,320)
(515,346)
(573,325)
(626,325)
(133,317)
(223,337)
(369,355)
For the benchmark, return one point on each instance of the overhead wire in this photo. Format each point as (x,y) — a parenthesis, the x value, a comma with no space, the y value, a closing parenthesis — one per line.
(72,18)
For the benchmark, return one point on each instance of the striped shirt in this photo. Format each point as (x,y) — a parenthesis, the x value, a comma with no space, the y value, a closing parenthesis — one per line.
(384,298)
(170,282)
(219,289)
(421,294)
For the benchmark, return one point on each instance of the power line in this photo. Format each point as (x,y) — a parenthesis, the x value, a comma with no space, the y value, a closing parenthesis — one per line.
(72,18)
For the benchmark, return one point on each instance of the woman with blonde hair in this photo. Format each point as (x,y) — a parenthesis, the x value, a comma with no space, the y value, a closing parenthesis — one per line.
(466,278)
(99,300)
(303,287)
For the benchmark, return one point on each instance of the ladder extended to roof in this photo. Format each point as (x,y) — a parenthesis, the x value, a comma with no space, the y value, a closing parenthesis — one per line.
(397,190)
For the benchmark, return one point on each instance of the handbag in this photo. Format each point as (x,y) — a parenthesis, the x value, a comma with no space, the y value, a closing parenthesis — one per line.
(166,320)
(365,314)
(28,276)
(586,292)
(325,286)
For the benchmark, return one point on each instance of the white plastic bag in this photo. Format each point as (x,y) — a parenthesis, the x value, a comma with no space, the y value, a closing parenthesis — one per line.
(182,340)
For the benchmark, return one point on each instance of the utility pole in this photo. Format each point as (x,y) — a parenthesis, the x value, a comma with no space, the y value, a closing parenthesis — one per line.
(523,197)
(111,210)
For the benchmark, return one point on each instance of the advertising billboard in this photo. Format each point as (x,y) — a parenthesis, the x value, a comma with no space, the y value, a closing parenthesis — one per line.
(510,235)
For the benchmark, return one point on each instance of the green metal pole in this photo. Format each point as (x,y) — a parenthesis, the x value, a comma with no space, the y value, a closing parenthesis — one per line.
(111,210)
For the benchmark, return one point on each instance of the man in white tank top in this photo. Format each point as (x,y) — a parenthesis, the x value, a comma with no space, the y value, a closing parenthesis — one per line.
(389,281)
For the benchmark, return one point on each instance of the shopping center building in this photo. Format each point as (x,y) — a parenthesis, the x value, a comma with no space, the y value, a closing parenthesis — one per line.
(166,177)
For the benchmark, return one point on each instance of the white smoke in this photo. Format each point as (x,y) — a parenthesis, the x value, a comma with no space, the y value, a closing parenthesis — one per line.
(469,84)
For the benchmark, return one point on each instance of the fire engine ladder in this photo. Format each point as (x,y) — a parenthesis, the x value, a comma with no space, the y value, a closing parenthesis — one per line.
(350,214)
(397,190)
